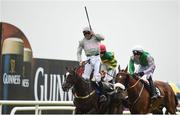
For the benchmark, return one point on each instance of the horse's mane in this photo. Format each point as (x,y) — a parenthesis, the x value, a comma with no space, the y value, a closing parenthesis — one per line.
(76,71)
(135,77)
(79,71)
(132,76)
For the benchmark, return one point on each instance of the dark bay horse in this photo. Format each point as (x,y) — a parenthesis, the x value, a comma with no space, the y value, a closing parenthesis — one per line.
(139,97)
(86,100)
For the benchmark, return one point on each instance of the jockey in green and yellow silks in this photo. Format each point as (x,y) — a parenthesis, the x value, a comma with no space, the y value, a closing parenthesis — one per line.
(109,63)
(146,66)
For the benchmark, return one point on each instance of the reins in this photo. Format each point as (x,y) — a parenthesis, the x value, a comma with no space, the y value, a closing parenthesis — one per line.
(136,100)
(138,96)
(84,97)
(134,84)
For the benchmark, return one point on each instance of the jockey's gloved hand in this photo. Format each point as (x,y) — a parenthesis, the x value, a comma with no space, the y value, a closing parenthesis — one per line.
(140,74)
(81,63)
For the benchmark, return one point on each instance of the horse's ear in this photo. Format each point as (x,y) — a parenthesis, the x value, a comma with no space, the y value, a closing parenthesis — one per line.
(119,68)
(126,68)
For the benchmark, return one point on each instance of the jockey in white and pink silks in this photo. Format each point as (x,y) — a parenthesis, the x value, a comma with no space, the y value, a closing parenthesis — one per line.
(90,45)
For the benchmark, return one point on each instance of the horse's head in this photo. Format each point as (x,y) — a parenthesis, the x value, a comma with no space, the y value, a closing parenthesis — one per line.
(69,79)
(72,76)
(125,78)
(122,76)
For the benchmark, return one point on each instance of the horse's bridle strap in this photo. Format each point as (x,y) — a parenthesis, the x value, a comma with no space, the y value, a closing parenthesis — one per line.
(84,97)
(134,84)
(138,95)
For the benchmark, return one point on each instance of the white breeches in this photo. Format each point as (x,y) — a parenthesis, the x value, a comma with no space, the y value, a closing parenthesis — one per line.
(94,64)
(110,73)
(109,76)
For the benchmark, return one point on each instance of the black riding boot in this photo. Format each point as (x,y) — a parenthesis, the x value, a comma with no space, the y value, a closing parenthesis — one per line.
(103,98)
(154,94)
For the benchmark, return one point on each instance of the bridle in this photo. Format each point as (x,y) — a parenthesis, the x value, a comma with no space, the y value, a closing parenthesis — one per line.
(130,87)
(84,97)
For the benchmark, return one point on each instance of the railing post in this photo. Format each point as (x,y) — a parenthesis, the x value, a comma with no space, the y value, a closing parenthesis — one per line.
(0,109)
(36,110)
(40,112)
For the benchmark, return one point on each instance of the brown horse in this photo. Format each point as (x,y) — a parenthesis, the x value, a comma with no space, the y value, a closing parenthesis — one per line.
(139,97)
(86,100)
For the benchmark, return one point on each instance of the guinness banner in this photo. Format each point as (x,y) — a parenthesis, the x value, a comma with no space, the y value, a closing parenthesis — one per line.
(23,77)
(48,76)
(12,66)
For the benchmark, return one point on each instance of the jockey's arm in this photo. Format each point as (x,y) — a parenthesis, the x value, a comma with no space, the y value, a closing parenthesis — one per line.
(99,37)
(79,52)
(151,65)
(131,66)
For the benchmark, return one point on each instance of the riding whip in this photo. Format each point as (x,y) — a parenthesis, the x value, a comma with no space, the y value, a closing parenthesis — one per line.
(88,18)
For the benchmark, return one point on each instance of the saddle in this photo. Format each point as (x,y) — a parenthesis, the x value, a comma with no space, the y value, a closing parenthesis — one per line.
(147,86)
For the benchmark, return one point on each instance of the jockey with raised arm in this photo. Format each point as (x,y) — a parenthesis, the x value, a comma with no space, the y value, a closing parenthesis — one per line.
(146,66)
(108,65)
(90,45)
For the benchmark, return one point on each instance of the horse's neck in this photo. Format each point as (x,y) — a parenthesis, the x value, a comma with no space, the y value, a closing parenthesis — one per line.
(134,87)
(82,87)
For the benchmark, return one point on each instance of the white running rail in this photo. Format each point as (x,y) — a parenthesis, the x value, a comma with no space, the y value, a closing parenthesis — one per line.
(50,105)
(59,105)
(39,109)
